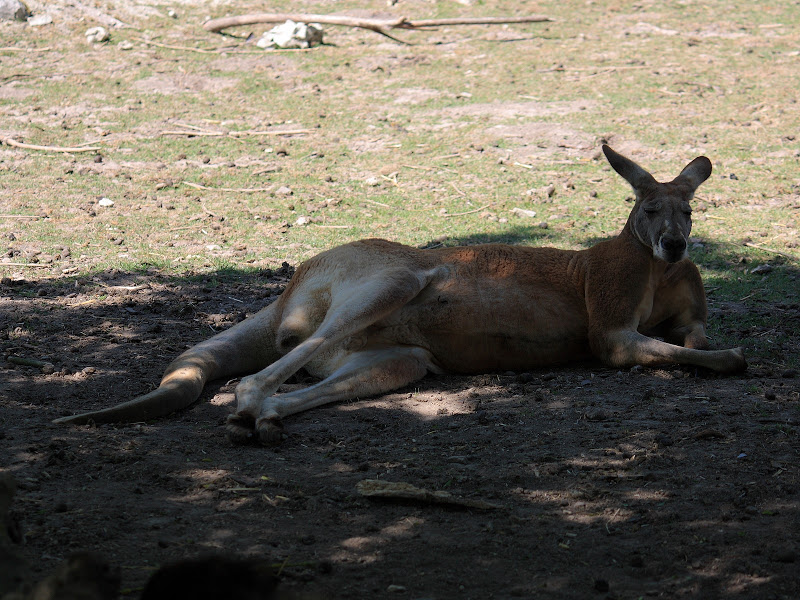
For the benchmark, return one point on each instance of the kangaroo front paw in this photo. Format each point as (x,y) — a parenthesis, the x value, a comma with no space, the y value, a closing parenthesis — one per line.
(270,431)
(241,429)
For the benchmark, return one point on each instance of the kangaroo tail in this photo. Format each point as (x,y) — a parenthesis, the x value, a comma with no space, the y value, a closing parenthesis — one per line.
(246,347)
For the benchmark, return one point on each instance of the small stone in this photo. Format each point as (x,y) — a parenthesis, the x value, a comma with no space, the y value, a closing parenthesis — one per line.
(13,10)
(396,588)
(525,377)
(762,269)
(105,202)
(597,415)
(372,181)
(125,45)
(48,368)
(284,191)
(97,35)
(664,440)
(523,212)
(40,20)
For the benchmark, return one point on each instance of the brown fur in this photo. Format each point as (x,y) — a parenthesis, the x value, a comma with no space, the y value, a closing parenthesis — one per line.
(371,316)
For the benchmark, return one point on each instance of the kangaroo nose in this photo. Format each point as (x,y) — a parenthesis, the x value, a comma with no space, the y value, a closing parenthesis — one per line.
(673,245)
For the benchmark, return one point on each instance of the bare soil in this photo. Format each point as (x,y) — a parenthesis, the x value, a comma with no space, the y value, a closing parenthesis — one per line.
(602,483)
(607,484)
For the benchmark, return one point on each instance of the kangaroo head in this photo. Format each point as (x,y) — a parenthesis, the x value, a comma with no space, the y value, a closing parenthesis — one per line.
(661,219)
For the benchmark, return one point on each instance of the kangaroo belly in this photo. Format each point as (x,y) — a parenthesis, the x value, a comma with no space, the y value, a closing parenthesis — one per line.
(492,328)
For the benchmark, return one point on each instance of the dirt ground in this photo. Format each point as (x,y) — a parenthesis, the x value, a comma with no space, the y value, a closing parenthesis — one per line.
(603,484)
(580,482)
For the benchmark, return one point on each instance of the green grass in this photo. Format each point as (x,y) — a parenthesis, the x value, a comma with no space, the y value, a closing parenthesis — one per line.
(432,121)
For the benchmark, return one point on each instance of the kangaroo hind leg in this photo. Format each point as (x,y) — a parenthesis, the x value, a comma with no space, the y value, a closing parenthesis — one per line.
(365,373)
(352,310)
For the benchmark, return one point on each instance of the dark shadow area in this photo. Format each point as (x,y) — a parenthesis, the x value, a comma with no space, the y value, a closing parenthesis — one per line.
(610,484)
(529,235)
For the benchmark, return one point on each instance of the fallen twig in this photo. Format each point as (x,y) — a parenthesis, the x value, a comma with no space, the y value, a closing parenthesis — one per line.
(201,133)
(469,212)
(12,142)
(19,264)
(764,248)
(15,49)
(20,217)
(185,48)
(398,490)
(213,189)
(381,26)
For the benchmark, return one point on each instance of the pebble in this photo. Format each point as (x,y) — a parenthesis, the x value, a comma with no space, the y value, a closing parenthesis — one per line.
(40,20)
(13,10)
(96,35)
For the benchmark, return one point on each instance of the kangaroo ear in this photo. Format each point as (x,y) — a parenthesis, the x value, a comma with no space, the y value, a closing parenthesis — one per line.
(695,173)
(630,171)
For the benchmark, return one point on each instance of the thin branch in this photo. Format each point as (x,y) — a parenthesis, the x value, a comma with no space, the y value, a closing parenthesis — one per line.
(186,48)
(15,49)
(12,142)
(381,26)
(201,133)
(31,265)
(772,250)
(243,190)
(469,212)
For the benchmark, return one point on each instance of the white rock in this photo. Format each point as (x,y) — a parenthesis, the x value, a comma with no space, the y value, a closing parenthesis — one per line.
(96,35)
(40,20)
(105,202)
(523,212)
(292,35)
(13,10)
